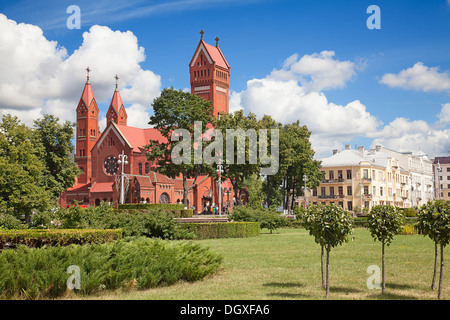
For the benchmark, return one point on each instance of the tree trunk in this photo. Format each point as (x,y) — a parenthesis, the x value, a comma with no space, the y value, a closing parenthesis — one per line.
(382,268)
(328,272)
(441,272)
(321,266)
(268,191)
(435,265)
(293,194)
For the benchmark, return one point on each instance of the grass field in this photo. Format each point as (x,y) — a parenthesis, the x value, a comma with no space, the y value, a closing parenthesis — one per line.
(285,265)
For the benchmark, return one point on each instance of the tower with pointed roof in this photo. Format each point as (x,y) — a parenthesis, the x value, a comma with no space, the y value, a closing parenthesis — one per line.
(210,75)
(116,111)
(87,130)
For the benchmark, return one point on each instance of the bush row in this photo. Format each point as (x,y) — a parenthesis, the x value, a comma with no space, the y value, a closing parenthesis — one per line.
(140,263)
(152,206)
(215,230)
(55,237)
(134,222)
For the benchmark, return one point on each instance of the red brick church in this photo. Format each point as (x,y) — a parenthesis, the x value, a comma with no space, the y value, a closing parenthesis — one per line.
(97,153)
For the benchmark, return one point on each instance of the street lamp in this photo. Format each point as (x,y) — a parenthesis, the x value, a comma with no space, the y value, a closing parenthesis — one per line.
(220,171)
(305,178)
(122,160)
(410,180)
(439,169)
(361,194)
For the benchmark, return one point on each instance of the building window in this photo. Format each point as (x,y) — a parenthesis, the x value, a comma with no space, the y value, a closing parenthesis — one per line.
(366,204)
(349,205)
(381,191)
(448,169)
(322,191)
(349,190)
(340,176)
(365,174)
(140,168)
(366,190)
(315,192)
(331,191)
(341,190)
(147,168)
(349,174)
(331,175)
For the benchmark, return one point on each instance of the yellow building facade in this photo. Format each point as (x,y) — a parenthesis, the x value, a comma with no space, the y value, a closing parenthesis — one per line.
(360,179)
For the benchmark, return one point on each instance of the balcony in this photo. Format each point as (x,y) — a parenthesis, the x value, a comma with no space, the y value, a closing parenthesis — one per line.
(333,180)
(366,180)
(328,196)
(367,196)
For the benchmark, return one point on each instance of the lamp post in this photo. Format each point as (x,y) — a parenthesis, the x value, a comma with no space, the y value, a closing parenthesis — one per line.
(410,180)
(220,171)
(305,178)
(361,195)
(122,160)
(439,169)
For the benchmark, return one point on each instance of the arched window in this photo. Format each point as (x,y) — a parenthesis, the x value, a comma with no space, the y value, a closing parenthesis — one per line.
(147,167)
(164,198)
(140,168)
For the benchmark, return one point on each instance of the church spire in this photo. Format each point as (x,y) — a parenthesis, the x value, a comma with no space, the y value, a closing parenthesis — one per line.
(87,79)
(116,111)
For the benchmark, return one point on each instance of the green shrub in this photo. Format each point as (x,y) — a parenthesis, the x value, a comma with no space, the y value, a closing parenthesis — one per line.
(151,206)
(215,230)
(409,229)
(186,213)
(55,237)
(8,221)
(36,273)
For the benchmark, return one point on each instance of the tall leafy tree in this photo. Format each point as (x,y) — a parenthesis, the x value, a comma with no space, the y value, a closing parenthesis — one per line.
(434,221)
(22,182)
(55,138)
(384,222)
(176,110)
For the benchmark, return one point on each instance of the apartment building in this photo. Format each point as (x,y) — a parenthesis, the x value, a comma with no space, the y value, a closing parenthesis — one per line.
(420,169)
(358,178)
(441,169)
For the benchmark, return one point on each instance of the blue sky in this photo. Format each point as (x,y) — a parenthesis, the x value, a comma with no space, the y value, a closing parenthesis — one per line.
(402,112)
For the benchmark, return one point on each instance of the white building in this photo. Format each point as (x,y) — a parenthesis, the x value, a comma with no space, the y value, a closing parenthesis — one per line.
(420,169)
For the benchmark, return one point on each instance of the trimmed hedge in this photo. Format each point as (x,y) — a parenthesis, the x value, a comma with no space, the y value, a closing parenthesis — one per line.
(215,230)
(37,238)
(150,206)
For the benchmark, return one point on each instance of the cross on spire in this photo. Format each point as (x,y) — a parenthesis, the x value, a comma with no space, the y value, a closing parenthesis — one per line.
(117,79)
(87,69)
(217,41)
(201,34)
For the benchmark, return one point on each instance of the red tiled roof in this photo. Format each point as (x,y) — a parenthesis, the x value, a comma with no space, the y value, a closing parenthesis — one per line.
(88,94)
(80,187)
(138,137)
(216,55)
(144,181)
(160,178)
(102,187)
(116,101)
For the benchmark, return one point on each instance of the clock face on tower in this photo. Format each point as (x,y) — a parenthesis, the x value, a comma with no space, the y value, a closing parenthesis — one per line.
(111,165)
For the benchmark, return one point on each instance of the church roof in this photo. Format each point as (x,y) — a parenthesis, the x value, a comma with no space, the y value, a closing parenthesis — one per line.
(102,187)
(216,55)
(137,137)
(116,101)
(88,94)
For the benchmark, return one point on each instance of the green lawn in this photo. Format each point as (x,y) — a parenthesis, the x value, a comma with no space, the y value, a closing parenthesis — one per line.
(286,265)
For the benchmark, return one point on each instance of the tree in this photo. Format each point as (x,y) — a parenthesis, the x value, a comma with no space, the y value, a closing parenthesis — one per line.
(434,221)
(384,222)
(176,112)
(331,226)
(56,138)
(22,183)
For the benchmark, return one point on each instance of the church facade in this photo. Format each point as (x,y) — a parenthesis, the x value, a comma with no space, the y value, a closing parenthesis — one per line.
(103,155)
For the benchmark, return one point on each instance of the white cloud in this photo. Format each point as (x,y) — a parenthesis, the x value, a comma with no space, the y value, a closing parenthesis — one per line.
(38,76)
(419,77)
(293,92)
(444,115)
(316,72)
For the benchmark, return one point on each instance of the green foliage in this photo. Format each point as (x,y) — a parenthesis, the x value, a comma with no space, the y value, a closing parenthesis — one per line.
(140,263)
(434,221)
(384,222)
(8,221)
(56,237)
(150,206)
(269,219)
(157,223)
(216,230)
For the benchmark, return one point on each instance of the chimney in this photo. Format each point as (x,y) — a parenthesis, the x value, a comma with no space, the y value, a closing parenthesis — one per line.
(347,147)
(335,151)
(378,147)
(361,151)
